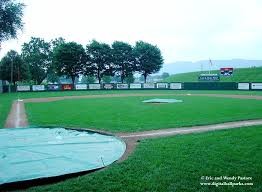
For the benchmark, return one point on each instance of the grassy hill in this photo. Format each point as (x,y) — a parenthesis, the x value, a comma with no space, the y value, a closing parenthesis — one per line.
(239,75)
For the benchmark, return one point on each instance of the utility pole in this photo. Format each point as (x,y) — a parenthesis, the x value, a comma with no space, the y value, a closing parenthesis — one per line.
(11,75)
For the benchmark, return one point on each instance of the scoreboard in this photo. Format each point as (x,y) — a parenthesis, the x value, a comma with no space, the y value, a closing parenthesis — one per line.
(227,71)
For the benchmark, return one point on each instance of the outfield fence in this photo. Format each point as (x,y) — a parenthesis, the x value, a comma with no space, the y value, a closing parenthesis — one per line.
(138,86)
(1,86)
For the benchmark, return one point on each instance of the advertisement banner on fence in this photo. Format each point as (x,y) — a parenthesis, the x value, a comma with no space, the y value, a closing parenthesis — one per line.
(175,85)
(53,87)
(256,86)
(122,86)
(94,86)
(81,86)
(108,86)
(243,86)
(135,86)
(23,88)
(67,87)
(148,85)
(38,88)
(162,85)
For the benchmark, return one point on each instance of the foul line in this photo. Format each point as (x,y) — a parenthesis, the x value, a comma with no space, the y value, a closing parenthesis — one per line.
(17,120)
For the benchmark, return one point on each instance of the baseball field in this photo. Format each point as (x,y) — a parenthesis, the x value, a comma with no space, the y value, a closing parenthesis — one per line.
(192,162)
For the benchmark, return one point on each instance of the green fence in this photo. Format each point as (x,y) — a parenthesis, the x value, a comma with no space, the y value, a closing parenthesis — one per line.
(210,86)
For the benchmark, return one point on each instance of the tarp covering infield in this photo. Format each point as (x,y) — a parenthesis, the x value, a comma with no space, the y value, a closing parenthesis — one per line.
(33,153)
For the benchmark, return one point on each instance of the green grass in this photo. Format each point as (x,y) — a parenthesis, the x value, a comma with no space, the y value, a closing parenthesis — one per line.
(239,75)
(128,114)
(6,99)
(177,164)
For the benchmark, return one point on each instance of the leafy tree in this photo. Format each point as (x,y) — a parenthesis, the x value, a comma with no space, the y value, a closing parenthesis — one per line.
(141,78)
(37,53)
(107,79)
(69,59)
(116,78)
(56,42)
(148,58)
(165,75)
(100,55)
(123,59)
(130,79)
(52,75)
(88,79)
(13,68)
(11,14)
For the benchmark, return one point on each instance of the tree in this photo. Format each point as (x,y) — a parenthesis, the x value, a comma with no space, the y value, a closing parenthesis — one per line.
(52,75)
(148,58)
(37,53)
(56,42)
(69,60)
(123,59)
(106,79)
(100,65)
(11,14)
(130,79)
(165,75)
(88,79)
(13,68)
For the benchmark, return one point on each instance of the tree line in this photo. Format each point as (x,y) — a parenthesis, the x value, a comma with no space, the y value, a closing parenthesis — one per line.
(41,60)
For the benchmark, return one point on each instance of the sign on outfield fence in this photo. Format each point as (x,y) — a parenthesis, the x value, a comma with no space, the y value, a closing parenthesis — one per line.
(108,86)
(67,87)
(122,86)
(243,86)
(94,86)
(81,86)
(23,88)
(175,85)
(38,87)
(256,86)
(135,86)
(148,85)
(162,85)
(53,87)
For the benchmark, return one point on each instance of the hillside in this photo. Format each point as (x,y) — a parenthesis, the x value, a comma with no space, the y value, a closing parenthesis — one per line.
(189,66)
(253,74)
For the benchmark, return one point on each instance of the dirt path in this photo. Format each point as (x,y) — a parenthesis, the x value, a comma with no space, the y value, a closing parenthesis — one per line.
(17,118)
(132,139)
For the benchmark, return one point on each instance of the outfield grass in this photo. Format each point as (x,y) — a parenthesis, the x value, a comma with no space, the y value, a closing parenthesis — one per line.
(239,75)
(177,164)
(6,99)
(129,114)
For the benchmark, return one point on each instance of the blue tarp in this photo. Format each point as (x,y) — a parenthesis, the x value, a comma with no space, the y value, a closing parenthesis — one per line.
(32,153)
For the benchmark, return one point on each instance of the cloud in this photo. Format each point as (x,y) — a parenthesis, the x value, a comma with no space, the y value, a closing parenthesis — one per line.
(184,30)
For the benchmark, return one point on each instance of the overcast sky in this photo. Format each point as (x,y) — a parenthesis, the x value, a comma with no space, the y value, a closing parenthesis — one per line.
(183,29)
